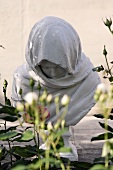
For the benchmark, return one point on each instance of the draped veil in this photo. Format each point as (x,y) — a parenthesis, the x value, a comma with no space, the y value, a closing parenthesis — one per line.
(55,40)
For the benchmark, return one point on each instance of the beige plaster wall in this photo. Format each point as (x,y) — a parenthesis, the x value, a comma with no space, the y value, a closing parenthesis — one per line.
(18,16)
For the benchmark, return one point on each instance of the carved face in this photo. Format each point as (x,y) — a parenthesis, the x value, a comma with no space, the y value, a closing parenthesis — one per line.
(52,70)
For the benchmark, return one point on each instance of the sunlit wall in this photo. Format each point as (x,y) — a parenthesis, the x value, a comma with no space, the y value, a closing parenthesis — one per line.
(18,16)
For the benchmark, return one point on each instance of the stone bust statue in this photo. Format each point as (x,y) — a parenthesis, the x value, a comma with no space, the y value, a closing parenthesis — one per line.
(54,57)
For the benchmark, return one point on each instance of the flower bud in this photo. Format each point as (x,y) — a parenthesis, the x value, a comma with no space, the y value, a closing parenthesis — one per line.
(42,124)
(5,83)
(105,51)
(103,97)
(108,22)
(96,97)
(32,82)
(63,123)
(65,100)
(19,107)
(43,96)
(39,86)
(49,98)
(49,126)
(31,97)
(56,126)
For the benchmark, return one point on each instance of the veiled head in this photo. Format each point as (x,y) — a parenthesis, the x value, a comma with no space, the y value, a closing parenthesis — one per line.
(54,40)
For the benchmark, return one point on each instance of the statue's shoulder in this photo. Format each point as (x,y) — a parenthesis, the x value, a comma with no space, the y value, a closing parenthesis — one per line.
(22,71)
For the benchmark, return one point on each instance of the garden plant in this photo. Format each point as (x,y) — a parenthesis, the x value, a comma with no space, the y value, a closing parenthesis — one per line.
(32,111)
(20,148)
(104,97)
(23,140)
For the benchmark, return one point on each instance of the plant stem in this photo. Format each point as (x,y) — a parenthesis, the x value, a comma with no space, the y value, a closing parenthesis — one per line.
(38,140)
(34,136)
(47,157)
(111,30)
(37,131)
(37,144)
(108,66)
(0,165)
(106,138)
(9,145)
(58,156)
(31,89)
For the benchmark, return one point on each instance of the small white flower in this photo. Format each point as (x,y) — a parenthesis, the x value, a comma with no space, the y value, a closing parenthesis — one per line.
(65,99)
(102,88)
(30,97)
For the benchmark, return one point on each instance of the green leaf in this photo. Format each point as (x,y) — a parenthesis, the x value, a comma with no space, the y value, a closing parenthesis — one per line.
(110,79)
(111,116)
(102,137)
(99,160)
(99,116)
(19,163)
(9,129)
(111,167)
(98,69)
(27,135)
(2,131)
(81,164)
(19,167)
(8,102)
(109,128)
(42,161)
(105,77)
(98,167)
(102,117)
(2,152)
(8,118)
(8,109)
(60,133)
(8,135)
(64,150)
(27,151)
